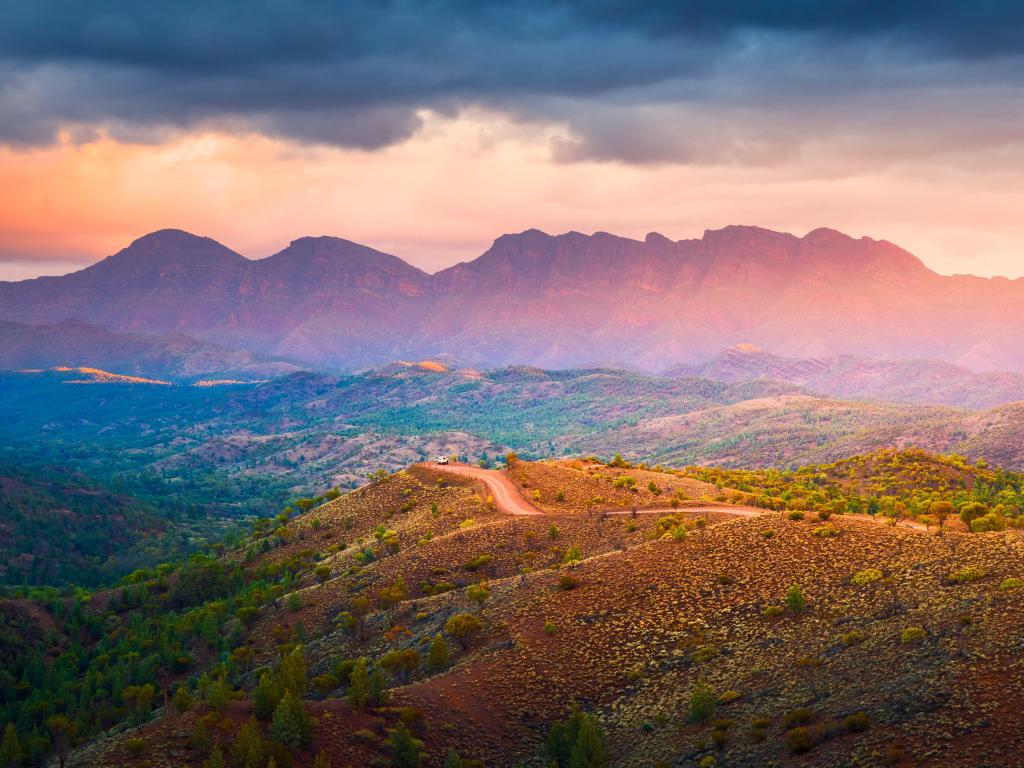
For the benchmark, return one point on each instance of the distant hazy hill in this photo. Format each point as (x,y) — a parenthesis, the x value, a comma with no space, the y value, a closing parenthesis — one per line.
(538,299)
(175,356)
(897,381)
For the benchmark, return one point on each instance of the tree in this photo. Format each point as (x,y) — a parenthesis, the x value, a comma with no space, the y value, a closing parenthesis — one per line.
(406,752)
(940,510)
(971,511)
(10,748)
(216,759)
(589,750)
(795,600)
(182,700)
(358,686)
(219,694)
(291,724)
(62,734)
(463,627)
(453,760)
(293,675)
(576,742)
(377,689)
(401,663)
(266,696)
(248,749)
(703,703)
(321,760)
(437,657)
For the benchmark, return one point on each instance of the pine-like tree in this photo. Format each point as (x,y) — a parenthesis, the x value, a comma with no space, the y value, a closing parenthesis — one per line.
(589,750)
(406,752)
(359,684)
(248,750)
(291,724)
(266,697)
(216,759)
(10,748)
(377,691)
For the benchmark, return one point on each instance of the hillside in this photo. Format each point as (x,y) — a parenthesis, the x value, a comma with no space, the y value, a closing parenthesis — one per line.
(919,382)
(58,526)
(677,632)
(76,344)
(538,299)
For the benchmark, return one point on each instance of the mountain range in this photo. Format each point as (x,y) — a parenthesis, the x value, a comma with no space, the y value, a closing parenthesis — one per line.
(554,301)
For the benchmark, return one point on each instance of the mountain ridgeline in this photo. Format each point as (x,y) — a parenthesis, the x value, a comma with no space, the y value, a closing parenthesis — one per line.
(553,301)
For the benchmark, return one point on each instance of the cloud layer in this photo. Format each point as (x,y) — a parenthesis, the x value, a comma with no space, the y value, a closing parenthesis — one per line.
(734,82)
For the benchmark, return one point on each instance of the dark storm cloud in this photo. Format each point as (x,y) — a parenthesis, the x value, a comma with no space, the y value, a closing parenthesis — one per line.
(357,73)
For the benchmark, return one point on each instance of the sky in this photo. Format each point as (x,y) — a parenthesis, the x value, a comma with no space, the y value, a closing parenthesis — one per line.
(428,129)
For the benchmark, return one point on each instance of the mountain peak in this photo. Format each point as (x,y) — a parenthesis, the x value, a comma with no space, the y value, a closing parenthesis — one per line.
(175,246)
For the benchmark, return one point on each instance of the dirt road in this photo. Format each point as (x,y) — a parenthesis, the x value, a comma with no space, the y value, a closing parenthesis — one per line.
(506,496)
(509,500)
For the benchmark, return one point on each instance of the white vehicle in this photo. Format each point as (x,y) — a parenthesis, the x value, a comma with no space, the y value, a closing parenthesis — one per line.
(442,459)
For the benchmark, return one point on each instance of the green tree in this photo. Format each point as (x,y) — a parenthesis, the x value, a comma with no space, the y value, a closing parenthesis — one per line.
(182,699)
(589,750)
(400,663)
(321,760)
(702,704)
(358,685)
(438,656)
(248,749)
(291,724)
(62,734)
(293,674)
(216,759)
(10,748)
(972,511)
(219,694)
(266,696)
(453,760)
(377,689)
(463,627)
(406,752)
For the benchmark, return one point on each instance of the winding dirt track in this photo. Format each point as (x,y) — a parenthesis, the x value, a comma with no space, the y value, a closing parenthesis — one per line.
(509,500)
(506,496)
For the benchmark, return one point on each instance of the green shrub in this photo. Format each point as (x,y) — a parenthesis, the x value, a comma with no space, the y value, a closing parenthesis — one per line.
(728,697)
(795,600)
(826,531)
(702,704)
(706,653)
(772,611)
(856,722)
(767,534)
(799,740)
(966,575)
(798,716)
(854,637)
(795,515)
(912,635)
(1011,583)
(567,581)
(865,577)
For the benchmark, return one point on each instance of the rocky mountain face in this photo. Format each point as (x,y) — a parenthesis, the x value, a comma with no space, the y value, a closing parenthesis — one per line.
(546,300)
